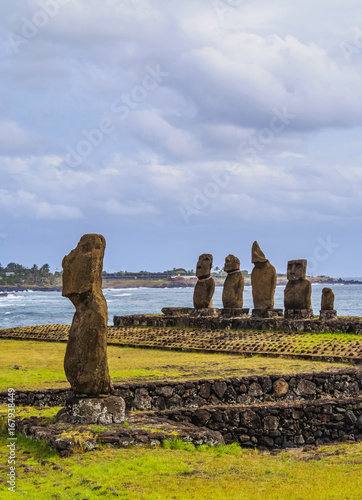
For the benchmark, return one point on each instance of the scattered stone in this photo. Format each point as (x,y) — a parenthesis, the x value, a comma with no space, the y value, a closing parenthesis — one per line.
(85,362)
(232,295)
(205,286)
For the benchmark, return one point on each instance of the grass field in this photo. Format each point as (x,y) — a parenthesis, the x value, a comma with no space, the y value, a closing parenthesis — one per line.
(176,470)
(180,471)
(41,365)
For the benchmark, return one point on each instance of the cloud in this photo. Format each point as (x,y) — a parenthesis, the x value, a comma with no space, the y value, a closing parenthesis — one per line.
(14,138)
(138,207)
(25,204)
(227,81)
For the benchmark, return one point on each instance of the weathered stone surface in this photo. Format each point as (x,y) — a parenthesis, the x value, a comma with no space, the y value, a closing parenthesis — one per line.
(250,419)
(280,387)
(266,313)
(108,410)
(327,302)
(271,423)
(255,390)
(232,295)
(263,279)
(85,362)
(205,286)
(220,388)
(297,293)
(299,314)
(205,312)
(176,311)
(234,312)
(359,423)
(327,315)
(306,388)
(142,400)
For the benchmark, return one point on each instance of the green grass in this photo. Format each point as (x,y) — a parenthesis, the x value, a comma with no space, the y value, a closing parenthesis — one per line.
(41,365)
(182,471)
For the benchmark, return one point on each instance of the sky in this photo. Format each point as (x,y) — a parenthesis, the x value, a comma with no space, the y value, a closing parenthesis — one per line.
(180,128)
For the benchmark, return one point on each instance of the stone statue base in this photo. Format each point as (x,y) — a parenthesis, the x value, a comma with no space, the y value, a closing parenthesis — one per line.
(93,410)
(331,314)
(266,313)
(177,311)
(235,312)
(206,312)
(299,314)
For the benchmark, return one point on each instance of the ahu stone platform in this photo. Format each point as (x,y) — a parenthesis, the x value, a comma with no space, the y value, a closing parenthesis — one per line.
(243,322)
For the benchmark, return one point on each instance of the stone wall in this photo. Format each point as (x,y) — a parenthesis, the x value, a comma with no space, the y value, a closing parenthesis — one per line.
(343,383)
(280,426)
(342,324)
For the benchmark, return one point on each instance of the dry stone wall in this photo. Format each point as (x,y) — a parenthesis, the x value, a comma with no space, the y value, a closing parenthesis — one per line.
(163,395)
(280,426)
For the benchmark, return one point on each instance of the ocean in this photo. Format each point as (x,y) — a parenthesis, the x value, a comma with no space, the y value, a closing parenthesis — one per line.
(41,308)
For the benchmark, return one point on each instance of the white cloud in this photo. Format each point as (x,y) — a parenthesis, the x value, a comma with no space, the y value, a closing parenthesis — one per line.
(138,207)
(25,204)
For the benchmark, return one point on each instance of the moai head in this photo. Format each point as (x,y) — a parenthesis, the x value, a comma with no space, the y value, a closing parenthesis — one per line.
(232,263)
(257,256)
(297,269)
(83,266)
(204,265)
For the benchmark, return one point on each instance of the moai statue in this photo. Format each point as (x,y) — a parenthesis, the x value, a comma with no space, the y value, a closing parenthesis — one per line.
(85,362)
(263,283)
(232,295)
(297,293)
(327,305)
(205,286)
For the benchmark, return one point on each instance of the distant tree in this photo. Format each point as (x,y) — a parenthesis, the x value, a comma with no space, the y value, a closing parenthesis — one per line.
(12,267)
(44,270)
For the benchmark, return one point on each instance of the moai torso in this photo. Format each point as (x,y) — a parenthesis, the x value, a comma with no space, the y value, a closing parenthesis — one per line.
(232,295)
(263,279)
(205,286)
(327,302)
(297,293)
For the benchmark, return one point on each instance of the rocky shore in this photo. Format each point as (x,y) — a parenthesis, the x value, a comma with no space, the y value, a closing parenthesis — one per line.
(168,284)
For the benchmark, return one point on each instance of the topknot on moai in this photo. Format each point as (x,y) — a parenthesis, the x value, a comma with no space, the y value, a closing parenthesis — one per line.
(205,286)
(327,304)
(85,362)
(232,295)
(297,293)
(263,279)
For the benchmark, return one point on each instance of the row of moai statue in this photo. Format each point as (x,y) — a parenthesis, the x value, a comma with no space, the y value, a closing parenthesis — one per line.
(297,294)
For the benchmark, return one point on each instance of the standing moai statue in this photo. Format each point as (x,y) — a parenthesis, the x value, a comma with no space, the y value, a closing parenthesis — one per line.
(85,362)
(263,283)
(205,286)
(327,305)
(232,295)
(297,293)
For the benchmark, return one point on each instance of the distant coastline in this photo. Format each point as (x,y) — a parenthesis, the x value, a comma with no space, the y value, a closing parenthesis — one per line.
(114,284)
